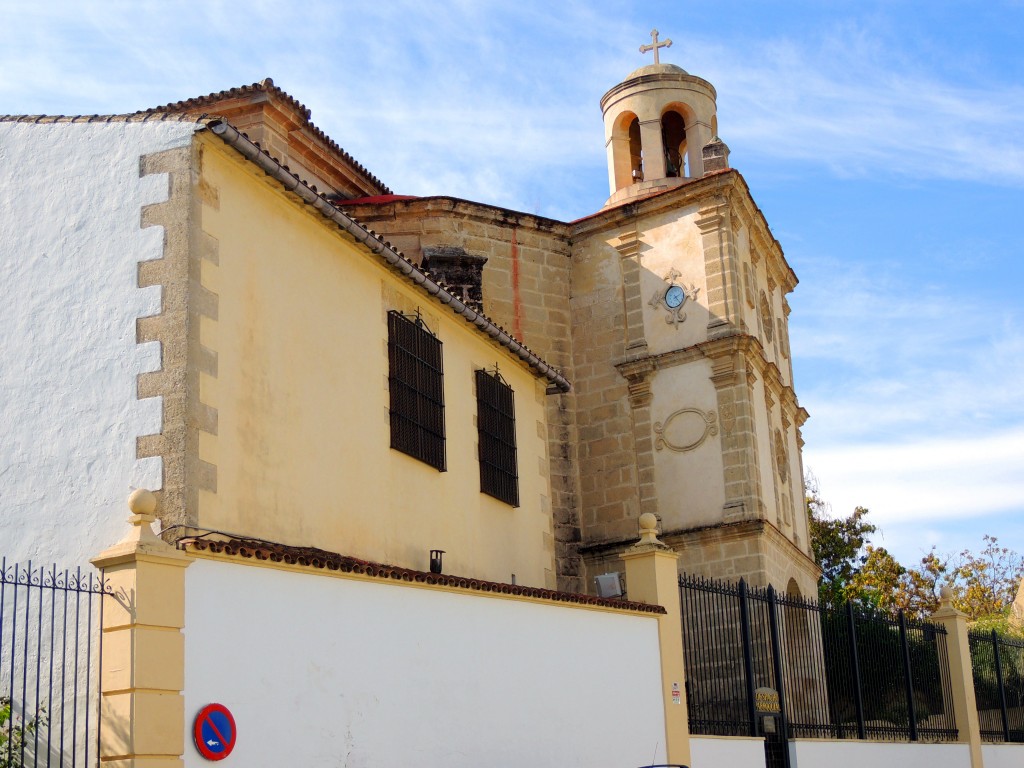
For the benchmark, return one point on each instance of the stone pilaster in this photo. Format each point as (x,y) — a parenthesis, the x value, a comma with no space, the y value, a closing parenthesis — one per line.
(142,708)
(741,469)
(628,246)
(638,377)
(720,267)
(961,675)
(652,576)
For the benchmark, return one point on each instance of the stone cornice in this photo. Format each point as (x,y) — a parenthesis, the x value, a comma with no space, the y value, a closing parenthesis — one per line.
(644,77)
(763,242)
(733,530)
(728,185)
(640,369)
(454,206)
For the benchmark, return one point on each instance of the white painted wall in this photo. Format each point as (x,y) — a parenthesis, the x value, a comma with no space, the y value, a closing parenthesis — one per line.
(1002,755)
(320,670)
(813,753)
(726,752)
(70,240)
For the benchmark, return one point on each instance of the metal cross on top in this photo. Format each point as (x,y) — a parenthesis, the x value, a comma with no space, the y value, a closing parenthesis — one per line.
(655,45)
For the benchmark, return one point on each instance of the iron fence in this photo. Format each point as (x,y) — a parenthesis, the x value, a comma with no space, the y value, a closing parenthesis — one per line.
(998,668)
(838,672)
(49,666)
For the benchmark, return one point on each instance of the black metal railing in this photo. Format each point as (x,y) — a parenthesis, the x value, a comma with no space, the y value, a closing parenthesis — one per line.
(49,666)
(998,666)
(838,672)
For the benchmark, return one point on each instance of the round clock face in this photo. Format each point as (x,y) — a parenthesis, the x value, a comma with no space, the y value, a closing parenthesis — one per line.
(675,296)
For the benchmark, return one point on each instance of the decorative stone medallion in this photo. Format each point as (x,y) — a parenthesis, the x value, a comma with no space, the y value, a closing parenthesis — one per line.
(768,326)
(685,429)
(748,285)
(781,457)
(673,297)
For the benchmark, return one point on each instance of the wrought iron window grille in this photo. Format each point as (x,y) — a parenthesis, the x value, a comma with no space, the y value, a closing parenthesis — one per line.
(496,428)
(416,389)
(415,318)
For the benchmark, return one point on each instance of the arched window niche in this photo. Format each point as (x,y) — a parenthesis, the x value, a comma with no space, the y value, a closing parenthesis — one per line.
(627,152)
(673,138)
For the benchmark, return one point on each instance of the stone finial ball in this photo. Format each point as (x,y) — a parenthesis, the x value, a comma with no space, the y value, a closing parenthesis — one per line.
(142,502)
(946,593)
(648,521)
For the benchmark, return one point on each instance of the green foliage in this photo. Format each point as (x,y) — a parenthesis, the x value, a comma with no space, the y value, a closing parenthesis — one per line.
(16,733)
(885,584)
(853,569)
(984,585)
(838,545)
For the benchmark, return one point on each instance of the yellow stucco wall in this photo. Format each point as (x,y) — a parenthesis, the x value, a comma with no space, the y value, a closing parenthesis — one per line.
(302,454)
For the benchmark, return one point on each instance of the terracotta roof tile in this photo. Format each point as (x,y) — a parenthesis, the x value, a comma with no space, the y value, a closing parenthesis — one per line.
(310,557)
(138,117)
(375,200)
(267,86)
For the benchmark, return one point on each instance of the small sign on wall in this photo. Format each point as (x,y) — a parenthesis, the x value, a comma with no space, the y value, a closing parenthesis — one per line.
(766,701)
(214,732)
(677,696)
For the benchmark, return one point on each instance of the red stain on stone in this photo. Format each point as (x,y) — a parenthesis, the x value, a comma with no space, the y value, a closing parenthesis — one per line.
(517,305)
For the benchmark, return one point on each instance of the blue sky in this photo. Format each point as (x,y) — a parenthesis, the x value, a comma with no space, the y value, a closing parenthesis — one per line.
(883,140)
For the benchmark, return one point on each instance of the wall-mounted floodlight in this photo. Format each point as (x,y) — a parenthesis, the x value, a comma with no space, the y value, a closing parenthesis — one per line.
(609,585)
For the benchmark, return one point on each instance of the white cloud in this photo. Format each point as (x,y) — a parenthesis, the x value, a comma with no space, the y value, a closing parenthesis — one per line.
(509,90)
(878,354)
(925,482)
(859,108)
(915,404)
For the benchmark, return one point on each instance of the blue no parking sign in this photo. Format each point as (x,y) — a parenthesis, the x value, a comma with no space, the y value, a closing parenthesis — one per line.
(214,732)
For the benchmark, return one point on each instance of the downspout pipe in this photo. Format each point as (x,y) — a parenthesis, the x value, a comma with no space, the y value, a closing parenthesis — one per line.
(557,383)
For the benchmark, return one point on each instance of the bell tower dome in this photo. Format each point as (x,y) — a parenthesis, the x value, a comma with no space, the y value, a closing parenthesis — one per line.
(656,125)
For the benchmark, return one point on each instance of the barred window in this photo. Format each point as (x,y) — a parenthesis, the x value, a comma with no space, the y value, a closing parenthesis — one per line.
(416,386)
(496,424)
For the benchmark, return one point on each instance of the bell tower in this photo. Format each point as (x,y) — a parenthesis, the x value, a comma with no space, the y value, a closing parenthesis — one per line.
(657,123)
(683,379)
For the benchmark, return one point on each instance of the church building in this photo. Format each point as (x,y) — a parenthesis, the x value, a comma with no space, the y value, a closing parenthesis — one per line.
(645,346)
(667,311)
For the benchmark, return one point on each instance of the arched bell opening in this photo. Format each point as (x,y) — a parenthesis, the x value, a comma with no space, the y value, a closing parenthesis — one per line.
(636,155)
(627,153)
(673,138)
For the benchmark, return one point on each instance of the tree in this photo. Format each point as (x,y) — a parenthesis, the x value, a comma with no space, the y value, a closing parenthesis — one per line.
(838,545)
(984,585)
(883,583)
(853,569)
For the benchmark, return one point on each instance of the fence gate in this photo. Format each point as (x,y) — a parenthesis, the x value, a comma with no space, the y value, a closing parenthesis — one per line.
(781,666)
(49,666)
